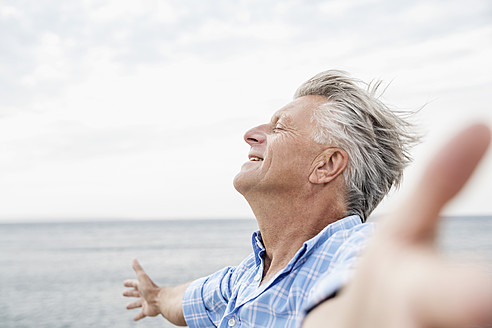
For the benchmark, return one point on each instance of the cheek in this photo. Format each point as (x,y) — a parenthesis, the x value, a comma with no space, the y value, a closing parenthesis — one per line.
(295,157)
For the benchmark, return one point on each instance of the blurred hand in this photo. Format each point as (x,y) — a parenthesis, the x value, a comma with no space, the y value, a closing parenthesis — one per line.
(145,290)
(401,281)
(154,300)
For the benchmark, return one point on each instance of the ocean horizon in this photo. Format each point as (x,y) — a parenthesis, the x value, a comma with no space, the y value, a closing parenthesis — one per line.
(70,274)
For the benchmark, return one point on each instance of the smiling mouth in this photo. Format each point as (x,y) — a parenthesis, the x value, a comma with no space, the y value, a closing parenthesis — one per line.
(255,159)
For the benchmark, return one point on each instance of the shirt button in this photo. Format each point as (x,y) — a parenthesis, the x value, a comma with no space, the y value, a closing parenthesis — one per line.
(257,277)
(232,322)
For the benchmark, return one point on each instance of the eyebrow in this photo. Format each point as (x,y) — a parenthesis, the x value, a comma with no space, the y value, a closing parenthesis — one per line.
(275,118)
(284,116)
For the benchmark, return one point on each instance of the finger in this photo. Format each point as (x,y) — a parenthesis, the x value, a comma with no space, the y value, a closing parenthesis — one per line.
(139,316)
(134,305)
(138,268)
(131,293)
(131,283)
(142,277)
(446,174)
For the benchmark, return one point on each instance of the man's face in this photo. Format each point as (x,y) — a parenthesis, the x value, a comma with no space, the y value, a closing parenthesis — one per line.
(282,151)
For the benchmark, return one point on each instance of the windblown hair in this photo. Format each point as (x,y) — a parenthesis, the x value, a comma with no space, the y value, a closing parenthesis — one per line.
(376,139)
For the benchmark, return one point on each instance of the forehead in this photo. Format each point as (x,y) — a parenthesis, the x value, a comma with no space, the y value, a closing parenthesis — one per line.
(300,110)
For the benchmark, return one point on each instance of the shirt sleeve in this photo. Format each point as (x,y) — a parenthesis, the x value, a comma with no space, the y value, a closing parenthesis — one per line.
(341,268)
(205,300)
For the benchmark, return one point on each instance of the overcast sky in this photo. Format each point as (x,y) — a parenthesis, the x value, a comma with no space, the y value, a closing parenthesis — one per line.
(136,109)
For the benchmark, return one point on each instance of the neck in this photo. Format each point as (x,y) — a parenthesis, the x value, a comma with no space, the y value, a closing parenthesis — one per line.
(286,221)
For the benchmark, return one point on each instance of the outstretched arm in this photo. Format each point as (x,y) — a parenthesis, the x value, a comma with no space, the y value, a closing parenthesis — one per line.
(153,299)
(401,281)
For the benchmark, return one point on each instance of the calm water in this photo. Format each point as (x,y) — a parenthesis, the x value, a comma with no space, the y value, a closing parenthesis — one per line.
(71,274)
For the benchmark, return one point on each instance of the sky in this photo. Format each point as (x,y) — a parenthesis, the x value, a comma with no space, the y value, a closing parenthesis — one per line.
(137,109)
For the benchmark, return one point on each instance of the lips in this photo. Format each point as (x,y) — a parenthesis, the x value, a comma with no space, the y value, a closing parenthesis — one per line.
(255,158)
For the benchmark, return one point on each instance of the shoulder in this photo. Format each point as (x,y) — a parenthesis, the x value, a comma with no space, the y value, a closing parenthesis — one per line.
(352,241)
(349,244)
(344,234)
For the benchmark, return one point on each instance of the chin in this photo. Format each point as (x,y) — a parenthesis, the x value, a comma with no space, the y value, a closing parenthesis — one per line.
(237,182)
(242,183)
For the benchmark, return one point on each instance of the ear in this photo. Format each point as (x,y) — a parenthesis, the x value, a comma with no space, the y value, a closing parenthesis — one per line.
(328,165)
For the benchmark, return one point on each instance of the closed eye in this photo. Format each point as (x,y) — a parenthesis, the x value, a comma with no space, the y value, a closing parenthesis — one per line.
(277,127)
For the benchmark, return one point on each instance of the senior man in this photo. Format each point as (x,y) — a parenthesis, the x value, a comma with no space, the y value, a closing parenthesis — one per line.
(315,173)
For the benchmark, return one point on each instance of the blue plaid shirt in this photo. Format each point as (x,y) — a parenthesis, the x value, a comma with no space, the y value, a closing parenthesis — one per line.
(233,297)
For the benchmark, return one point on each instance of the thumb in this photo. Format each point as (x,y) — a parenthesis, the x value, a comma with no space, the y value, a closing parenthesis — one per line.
(143,278)
(446,174)
(138,268)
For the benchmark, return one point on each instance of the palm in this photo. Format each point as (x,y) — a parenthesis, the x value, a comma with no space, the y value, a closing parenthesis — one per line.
(146,291)
(401,281)
(147,288)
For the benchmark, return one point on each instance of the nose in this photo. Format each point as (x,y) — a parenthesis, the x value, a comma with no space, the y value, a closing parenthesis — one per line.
(255,135)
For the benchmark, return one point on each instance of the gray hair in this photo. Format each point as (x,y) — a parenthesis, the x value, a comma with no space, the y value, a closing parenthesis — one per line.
(376,139)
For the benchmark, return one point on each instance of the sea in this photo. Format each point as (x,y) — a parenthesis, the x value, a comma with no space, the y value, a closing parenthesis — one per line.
(70,274)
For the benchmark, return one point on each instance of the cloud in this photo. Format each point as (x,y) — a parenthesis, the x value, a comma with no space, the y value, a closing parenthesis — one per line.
(90,86)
